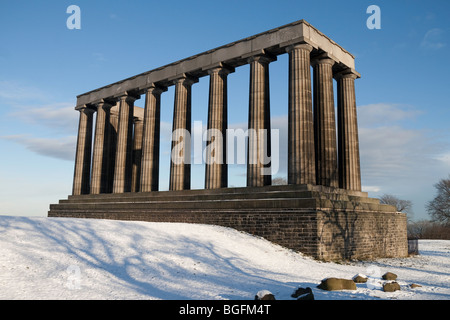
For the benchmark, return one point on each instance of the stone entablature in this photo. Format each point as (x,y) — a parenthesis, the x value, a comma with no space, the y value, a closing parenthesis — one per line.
(235,54)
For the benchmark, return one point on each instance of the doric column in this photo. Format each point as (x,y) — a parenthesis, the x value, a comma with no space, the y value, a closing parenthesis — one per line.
(137,154)
(99,173)
(301,159)
(216,173)
(259,147)
(180,164)
(124,149)
(81,178)
(325,123)
(349,167)
(113,127)
(151,140)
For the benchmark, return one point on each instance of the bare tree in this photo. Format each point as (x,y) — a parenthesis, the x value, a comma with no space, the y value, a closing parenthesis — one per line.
(401,205)
(279,181)
(439,207)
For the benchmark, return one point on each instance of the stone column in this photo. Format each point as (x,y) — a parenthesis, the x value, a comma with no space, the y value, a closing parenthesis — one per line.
(259,147)
(180,164)
(113,127)
(325,123)
(101,149)
(216,169)
(81,178)
(124,149)
(301,159)
(137,155)
(151,140)
(349,166)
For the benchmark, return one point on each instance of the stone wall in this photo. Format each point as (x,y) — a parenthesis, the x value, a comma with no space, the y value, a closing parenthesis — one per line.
(362,235)
(325,235)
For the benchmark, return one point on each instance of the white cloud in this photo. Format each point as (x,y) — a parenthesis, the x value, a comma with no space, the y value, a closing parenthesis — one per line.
(381,114)
(370,188)
(59,116)
(60,148)
(433,39)
(391,151)
(388,149)
(444,158)
(15,92)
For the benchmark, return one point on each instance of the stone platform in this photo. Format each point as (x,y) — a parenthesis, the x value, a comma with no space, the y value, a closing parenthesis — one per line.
(323,222)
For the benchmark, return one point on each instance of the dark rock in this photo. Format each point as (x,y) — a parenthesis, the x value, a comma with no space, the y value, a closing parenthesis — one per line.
(264,295)
(303,294)
(391,286)
(331,284)
(389,276)
(360,279)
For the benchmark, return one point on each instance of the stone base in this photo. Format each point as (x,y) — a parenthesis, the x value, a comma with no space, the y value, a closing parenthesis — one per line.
(325,223)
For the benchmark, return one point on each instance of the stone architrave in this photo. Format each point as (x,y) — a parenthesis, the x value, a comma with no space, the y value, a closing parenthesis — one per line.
(99,173)
(151,140)
(216,169)
(301,159)
(124,149)
(259,144)
(325,123)
(180,164)
(348,142)
(81,180)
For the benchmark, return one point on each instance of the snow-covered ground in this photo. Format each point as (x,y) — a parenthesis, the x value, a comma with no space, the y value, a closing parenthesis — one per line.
(59,258)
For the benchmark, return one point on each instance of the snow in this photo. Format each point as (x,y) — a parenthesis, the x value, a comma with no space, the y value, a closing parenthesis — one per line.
(65,258)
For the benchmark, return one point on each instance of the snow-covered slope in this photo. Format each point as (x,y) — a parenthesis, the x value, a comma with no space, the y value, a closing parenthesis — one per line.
(58,258)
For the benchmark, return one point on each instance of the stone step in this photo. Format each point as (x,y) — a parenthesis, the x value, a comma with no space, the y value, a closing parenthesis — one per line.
(221,204)
(302,191)
(235,190)
(168,197)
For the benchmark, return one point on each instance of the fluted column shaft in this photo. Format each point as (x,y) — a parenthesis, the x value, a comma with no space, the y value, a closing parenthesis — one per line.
(349,165)
(259,144)
(81,179)
(137,155)
(301,160)
(101,150)
(180,164)
(216,169)
(124,149)
(325,124)
(113,127)
(151,140)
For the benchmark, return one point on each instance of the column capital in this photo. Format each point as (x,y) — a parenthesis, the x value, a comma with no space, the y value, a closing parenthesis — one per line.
(262,58)
(322,59)
(347,73)
(155,89)
(105,103)
(184,79)
(303,46)
(129,97)
(85,109)
(138,119)
(220,68)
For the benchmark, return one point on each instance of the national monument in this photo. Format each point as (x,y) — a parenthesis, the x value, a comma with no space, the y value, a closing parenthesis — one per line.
(321,212)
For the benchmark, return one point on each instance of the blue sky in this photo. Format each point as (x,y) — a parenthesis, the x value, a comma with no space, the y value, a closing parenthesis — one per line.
(402,97)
